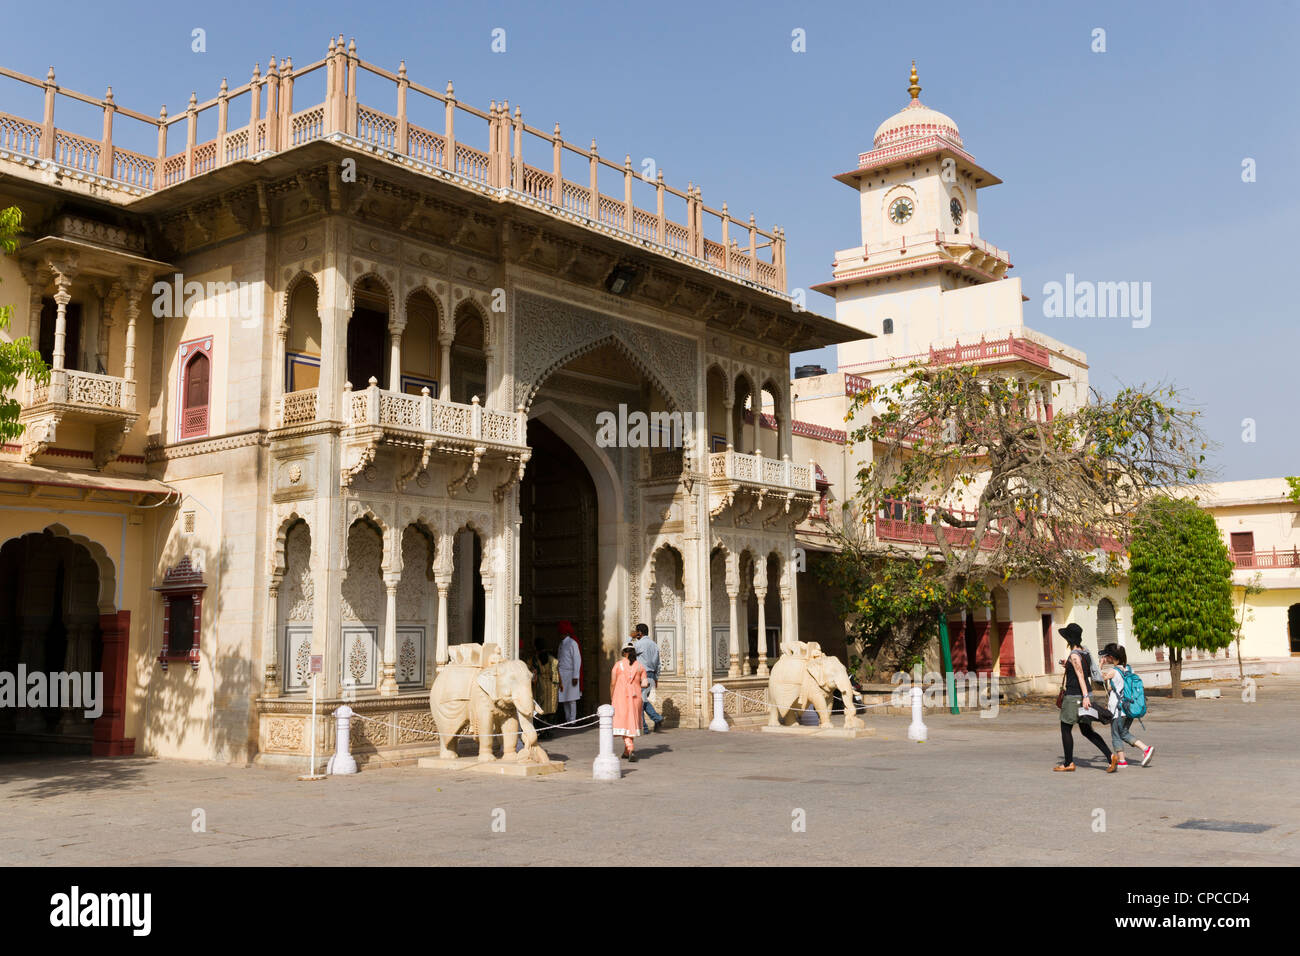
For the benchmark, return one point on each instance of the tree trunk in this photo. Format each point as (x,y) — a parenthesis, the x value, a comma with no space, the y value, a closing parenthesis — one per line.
(1176,673)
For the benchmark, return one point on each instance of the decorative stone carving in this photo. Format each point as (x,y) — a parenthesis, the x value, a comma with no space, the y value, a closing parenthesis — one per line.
(549,333)
(804,676)
(481,691)
(361,591)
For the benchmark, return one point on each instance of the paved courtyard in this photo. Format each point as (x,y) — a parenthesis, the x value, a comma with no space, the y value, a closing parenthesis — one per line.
(980,791)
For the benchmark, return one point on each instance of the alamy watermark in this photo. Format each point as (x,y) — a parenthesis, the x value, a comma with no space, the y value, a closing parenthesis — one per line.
(974,689)
(638,429)
(177,298)
(61,689)
(1085,299)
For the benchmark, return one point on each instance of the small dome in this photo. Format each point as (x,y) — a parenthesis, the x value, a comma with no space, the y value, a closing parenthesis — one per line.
(914,121)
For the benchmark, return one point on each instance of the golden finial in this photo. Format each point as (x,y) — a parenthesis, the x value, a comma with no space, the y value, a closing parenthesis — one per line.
(915,88)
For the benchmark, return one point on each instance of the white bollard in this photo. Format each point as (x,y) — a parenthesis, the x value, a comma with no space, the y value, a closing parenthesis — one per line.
(342,761)
(606,765)
(916,730)
(719,722)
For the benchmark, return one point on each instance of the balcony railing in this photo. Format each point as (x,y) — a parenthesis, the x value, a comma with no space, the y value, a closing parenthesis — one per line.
(997,351)
(909,522)
(88,390)
(424,414)
(639,207)
(297,408)
(760,470)
(1267,560)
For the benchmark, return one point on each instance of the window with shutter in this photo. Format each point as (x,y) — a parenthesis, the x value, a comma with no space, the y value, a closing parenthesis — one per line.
(195,388)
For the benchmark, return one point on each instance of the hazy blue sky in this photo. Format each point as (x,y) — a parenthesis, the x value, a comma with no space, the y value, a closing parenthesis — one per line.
(1117,166)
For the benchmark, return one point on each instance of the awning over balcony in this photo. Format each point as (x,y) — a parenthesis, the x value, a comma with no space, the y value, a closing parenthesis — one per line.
(25,481)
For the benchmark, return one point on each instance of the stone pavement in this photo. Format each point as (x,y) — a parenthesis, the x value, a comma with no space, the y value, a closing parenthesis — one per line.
(980,791)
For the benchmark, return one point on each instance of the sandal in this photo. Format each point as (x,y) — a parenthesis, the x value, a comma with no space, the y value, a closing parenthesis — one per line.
(1064,768)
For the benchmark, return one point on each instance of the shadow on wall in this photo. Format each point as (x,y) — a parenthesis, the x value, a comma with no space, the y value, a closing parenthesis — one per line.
(208,713)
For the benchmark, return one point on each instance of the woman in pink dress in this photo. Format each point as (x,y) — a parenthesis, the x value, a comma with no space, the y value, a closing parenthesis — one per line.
(625,683)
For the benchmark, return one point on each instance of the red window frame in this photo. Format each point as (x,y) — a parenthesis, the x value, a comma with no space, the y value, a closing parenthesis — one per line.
(193,422)
(182,584)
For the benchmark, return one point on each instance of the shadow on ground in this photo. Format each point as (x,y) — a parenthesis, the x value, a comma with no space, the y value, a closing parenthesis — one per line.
(48,776)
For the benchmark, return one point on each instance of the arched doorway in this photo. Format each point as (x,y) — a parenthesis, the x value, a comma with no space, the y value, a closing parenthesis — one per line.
(1293,627)
(558,576)
(51,594)
(1107,632)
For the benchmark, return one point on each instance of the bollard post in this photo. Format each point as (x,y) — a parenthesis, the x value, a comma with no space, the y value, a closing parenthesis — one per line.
(606,765)
(719,722)
(916,730)
(342,761)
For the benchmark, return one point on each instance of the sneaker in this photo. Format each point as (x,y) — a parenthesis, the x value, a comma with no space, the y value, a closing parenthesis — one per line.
(1064,768)
(659,725)
(1123,762)
(631,758)
(1146,754)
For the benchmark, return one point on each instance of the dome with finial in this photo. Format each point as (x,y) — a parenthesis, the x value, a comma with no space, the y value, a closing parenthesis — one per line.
(915,121)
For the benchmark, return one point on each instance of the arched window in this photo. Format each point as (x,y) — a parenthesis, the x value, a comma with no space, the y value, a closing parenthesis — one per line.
(888,327)
(1107,632)
(196,381)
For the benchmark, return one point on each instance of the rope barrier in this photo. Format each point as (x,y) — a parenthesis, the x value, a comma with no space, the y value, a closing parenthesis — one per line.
(838,710)
(580,723)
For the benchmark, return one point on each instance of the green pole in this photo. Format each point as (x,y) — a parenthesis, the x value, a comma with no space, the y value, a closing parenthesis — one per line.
(947,663)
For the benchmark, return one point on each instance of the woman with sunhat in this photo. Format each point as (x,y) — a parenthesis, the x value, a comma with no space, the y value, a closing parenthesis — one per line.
(1076,697)
(625,683)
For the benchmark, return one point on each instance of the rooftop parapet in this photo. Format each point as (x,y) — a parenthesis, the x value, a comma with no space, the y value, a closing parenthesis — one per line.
(596,192)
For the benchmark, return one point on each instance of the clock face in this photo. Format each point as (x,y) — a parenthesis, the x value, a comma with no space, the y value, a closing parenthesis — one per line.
(900,210)
(955,208)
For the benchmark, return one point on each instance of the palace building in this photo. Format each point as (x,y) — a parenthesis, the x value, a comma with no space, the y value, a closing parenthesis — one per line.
(328,374)
(324,397)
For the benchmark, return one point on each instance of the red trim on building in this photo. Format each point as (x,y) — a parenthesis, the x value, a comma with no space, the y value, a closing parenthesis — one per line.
(109,733)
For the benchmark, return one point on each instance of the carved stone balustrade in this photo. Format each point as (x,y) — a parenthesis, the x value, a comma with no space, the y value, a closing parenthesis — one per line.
(105,402)
(421,427)
(746,483)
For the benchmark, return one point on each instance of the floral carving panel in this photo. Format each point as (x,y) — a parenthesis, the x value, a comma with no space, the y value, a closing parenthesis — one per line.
(548,332)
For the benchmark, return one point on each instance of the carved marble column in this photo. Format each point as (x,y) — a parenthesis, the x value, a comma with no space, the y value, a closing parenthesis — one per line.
(728,406)
(443,581)
(388,685)
(133,285)
(760,592)
(733,637)
(271,645)
(444,366)
(64,270)
(109,293)
(395,330)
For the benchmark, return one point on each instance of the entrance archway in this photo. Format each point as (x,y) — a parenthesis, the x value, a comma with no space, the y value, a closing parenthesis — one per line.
(559,549)
(57,620)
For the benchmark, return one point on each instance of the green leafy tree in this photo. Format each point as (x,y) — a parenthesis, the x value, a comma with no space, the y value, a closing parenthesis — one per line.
(1294,482)
(990,490)
(17,357)
(892,604)
(1180,582)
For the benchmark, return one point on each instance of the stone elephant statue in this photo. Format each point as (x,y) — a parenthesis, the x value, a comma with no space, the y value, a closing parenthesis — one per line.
(478,688)
(803,675)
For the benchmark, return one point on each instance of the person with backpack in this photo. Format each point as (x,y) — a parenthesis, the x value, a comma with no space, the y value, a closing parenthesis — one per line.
(1128,701)
(1080,671)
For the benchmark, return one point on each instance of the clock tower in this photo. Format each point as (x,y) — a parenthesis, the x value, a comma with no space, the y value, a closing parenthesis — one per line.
(919,215)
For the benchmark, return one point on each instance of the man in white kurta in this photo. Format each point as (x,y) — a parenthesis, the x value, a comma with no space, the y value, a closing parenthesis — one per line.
(570,661)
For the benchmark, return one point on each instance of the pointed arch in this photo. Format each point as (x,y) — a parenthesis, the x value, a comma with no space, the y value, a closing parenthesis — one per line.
(637,359)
